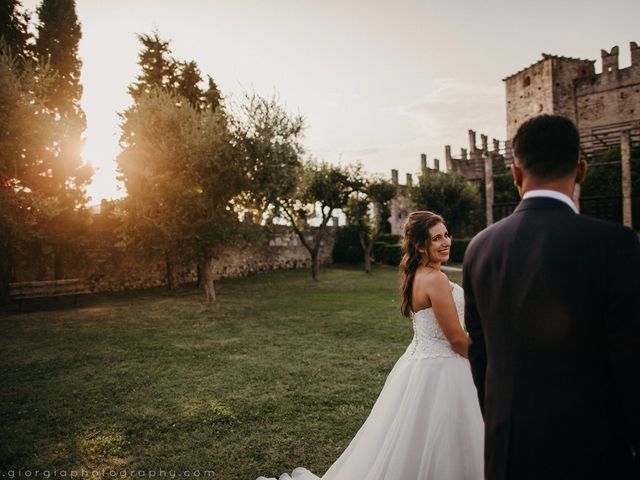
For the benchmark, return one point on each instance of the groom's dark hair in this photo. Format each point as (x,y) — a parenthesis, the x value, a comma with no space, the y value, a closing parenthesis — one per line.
(547,146)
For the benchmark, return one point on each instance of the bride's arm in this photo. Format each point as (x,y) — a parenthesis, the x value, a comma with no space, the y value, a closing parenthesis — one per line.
(444,308)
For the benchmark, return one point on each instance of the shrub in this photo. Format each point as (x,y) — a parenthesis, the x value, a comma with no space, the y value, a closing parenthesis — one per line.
(379,249)
(389,238)
(347,248)
(393,254)
(457,199)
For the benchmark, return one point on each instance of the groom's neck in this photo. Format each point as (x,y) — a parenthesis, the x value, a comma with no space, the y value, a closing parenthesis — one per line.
(563,185)
(526,181)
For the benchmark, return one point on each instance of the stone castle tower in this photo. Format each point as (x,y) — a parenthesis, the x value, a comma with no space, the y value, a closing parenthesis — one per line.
(599,104)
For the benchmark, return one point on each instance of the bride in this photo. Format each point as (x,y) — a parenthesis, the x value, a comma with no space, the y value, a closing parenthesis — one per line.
(426,422)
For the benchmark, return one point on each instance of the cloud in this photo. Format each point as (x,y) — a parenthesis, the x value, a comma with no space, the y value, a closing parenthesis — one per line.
(451,107)
(425,124)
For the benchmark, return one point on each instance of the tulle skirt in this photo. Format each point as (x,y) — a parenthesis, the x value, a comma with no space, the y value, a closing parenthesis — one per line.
(425,425)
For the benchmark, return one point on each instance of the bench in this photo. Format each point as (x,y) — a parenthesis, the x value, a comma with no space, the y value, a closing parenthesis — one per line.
(48,288)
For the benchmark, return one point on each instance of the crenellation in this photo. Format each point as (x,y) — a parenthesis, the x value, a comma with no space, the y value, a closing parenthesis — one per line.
(472,140)
(484,141)
(609,60)
(635,54)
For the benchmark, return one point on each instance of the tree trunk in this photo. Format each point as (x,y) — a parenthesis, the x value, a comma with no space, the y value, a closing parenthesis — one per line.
(367,257)
(315,264)
(207,271)
(172,274)
(200,272)
(366,247)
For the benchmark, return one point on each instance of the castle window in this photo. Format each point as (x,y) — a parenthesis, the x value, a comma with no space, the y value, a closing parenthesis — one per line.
(526,81)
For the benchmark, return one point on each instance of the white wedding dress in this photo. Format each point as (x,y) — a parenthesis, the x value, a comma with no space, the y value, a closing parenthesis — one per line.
(426,423)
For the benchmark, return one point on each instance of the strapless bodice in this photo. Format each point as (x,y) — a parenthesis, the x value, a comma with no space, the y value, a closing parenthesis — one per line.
(428,339)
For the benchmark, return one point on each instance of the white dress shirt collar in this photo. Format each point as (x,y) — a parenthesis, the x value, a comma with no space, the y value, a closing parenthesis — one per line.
(551,194)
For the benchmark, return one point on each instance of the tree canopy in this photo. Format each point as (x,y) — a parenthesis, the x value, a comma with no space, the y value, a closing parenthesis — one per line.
(42,175)
(452,196)
(180,165)
(374,194)
(323,189)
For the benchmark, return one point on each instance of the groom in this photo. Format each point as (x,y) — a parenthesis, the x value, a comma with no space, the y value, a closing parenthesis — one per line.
(553,314)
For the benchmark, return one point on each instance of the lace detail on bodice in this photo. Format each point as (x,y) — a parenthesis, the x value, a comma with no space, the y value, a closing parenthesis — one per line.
(428,339)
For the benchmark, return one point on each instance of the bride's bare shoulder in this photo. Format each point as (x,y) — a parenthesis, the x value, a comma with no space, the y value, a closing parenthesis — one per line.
(428,277)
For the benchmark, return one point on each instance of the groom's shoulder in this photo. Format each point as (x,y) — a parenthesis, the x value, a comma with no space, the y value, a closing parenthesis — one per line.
(485,235)
(482,240)
(588,228)
(592,224)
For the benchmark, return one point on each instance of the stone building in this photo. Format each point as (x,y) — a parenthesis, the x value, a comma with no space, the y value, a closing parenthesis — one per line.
(604,106)
(400,206)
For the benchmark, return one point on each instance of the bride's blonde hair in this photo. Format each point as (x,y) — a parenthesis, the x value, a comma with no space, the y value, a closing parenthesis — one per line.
(415,235)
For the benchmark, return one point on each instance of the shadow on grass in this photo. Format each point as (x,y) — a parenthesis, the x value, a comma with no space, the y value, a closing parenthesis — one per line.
(280,372)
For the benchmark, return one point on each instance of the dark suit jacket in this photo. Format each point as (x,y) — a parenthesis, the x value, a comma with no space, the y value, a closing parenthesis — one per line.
(553,314)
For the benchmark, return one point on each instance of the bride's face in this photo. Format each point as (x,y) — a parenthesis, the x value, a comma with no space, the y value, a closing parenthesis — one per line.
(439,243)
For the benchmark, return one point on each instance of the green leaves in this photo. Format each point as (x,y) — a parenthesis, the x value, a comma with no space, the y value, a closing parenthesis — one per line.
(449,195)
(271,142)
(161,71)
(371,192)
(181,172)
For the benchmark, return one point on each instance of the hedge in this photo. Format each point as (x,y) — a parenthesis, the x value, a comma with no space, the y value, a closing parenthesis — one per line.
(393,254)
(378,251)
(389,238)
(458,247)
(347,248)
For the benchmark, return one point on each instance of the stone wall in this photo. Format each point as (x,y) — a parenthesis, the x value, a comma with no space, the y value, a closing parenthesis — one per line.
(611,97)
(529,93)
(106,268)
(565,73)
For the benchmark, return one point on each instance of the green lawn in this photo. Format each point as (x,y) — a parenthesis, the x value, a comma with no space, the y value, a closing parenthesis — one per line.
(281,372)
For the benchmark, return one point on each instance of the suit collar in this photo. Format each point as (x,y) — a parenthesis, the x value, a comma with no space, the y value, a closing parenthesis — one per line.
(542,203)
(541,192)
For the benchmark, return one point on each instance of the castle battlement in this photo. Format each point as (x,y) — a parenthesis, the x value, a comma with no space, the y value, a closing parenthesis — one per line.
(570,87)
(612,76)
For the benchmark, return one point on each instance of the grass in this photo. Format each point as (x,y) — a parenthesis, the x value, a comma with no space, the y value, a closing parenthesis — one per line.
(280,373)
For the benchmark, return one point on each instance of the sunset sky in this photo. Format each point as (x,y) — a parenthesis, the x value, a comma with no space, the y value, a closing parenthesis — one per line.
(378,81)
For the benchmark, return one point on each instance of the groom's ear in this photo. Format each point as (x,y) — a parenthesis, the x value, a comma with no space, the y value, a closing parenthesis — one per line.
(581,171)
(516,171)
